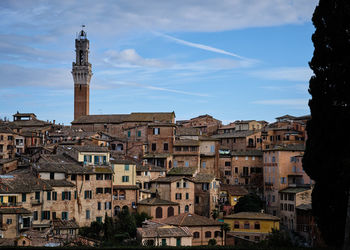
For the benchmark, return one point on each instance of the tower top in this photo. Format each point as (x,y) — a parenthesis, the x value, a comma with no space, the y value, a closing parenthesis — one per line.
(82,34)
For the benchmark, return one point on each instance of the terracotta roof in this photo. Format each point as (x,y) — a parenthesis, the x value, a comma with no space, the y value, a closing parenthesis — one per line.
(190,220)
(203,178)
(247,153)
(89,148)
(180,171)
(235,134)
(14,210)
(252,216)
(306,207)
(122,161)
(121,118)
(128,187)
(288,147)
(157,201)
(170,179)
(295,190)
(164,232)
(5,130)
(64,224)
(234,189)
(151,168)
(160,155)
(285,117)
(59,183)
(186,143)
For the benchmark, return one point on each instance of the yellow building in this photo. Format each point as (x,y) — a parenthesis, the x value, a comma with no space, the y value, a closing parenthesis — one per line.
(251,225)
(125,190)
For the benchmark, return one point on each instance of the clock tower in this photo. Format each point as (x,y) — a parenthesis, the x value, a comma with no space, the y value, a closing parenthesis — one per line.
(82,75)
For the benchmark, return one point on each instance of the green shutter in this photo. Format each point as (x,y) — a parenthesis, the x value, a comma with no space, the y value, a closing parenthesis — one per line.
(69,196)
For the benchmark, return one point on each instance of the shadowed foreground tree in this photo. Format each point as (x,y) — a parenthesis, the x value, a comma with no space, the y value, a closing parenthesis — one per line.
(248,203)
(327,157)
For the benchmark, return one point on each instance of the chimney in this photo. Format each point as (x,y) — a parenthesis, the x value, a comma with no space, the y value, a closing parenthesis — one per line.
(54,122)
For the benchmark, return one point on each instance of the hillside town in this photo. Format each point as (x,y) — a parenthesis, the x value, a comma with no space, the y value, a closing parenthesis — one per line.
(186,175)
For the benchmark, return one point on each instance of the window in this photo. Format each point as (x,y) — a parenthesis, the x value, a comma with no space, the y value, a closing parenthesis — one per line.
(236,225)
(187,209)
(98,205)
(24,197)
(291,197)
(236,170)
(178,196)
(64,215)
(35,215)
(125,178)
(177,184)
(108,177)
(196,235)
(207,234)
(197,199)
(108,205)
(246,225)
(99,190)
(163,242)
(99,219)
(187,196)
(227,173)
(185,184)
(52,176)
(129,133)
(212,149)
(66,195)
(139,133)
(227,163)
(73,177)
(156,131)
(159,213)
(154,147)
(88,194)
(87,214)
(166,146)
(108,190)
(175,163)
(87,177)
(253,158)
(99,177)
(53,215)
(54,196)
(75,194)
(48,195)
(37,195)
(9,221)
(246,158)
(217,234)
(45,215)
(187,163)
(126,167)
(273,159)
(205,186)
(203,164)
(257,225)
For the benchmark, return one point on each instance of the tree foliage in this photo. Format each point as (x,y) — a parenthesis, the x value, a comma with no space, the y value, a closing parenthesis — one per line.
(327,158)
(249,203)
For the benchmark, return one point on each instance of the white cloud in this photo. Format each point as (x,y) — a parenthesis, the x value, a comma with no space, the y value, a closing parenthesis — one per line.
(299,74)
(130,58)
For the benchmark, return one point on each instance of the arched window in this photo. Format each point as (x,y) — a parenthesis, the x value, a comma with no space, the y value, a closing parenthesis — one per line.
(122,195)
(170,164)
(207,234)
(217,234)
(159,212)
(116,210)
(187,209)
(170,211)
(196,235)
(125,208)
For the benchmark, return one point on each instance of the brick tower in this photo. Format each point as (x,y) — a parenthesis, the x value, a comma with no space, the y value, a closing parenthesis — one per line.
(82,75)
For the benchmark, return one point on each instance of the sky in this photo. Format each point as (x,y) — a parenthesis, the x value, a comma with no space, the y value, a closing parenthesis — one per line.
(232,59)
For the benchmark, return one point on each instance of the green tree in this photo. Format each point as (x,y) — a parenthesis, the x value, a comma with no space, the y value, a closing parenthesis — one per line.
(212,242)
(125,223)
(249,203)
(327,158)
(108,228)
(277,239)
(215,214)
(141,217)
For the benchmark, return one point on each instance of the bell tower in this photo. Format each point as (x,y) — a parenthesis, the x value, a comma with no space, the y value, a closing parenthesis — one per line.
(82,73)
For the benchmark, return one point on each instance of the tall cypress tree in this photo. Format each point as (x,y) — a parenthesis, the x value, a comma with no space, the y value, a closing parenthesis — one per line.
(327,155)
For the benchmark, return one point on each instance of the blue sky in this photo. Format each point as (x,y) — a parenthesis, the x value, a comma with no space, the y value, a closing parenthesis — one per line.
(234,59)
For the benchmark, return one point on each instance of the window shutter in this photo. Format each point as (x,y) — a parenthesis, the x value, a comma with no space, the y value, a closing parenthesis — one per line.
(69,196)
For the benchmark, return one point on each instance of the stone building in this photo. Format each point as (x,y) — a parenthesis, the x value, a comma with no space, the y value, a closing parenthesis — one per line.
(202,228)
(205,123)
(125,190)
(145,173)
(6,143)
(158,208)
(281,171)
(186,153)
(290,199)
(178,189)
